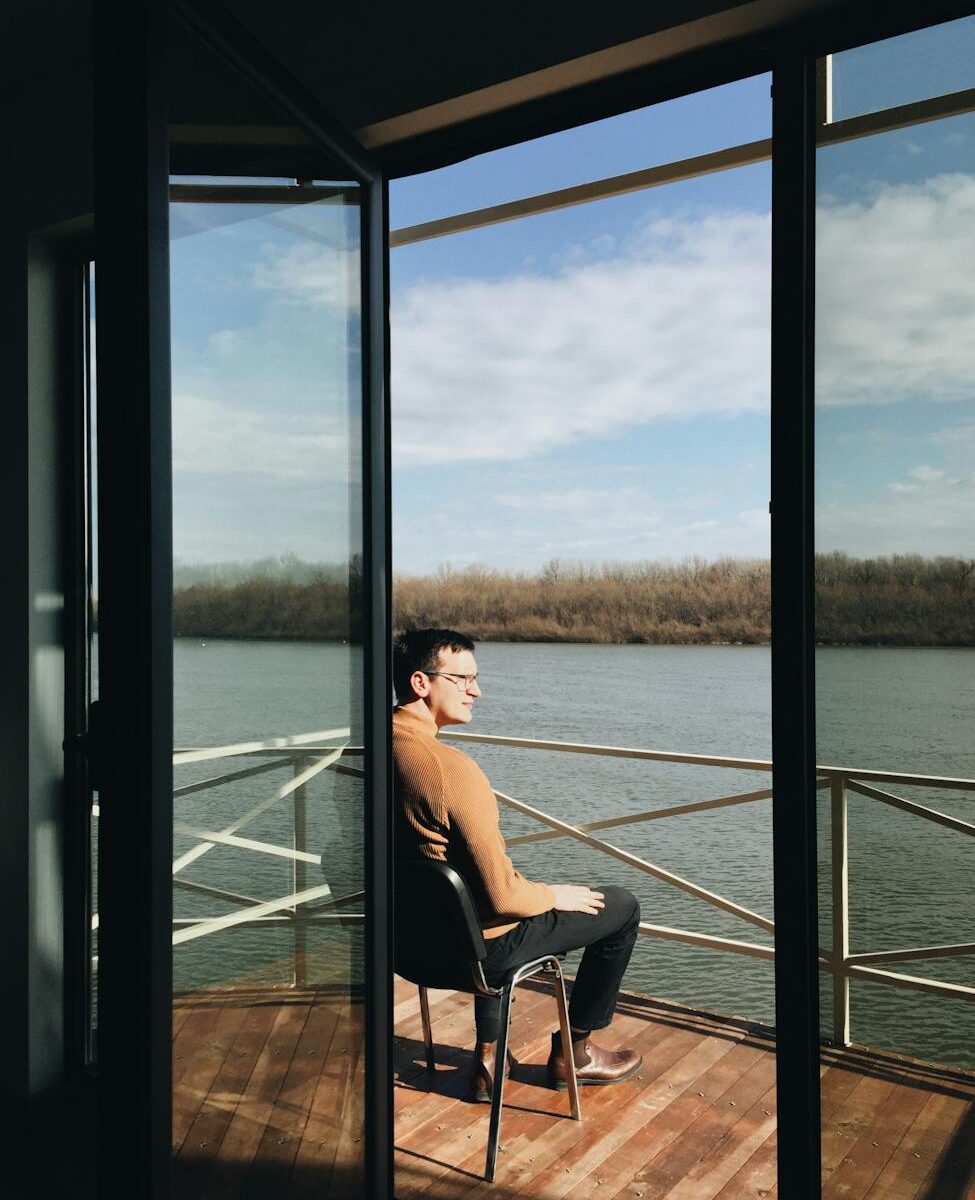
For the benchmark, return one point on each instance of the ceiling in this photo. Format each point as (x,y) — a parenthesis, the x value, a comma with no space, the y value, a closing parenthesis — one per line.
(418,82)
(402,74)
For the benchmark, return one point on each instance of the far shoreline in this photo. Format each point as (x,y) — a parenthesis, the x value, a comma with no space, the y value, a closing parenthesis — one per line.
(905,600)
(287,639)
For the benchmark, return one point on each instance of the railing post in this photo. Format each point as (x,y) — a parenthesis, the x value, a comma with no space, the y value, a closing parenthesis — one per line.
(841,909)
(299,875)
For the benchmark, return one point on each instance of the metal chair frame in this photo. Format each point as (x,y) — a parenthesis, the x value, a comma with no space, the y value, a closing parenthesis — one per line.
(549,964)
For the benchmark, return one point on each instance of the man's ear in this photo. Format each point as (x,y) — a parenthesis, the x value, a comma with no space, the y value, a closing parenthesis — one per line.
(420,684)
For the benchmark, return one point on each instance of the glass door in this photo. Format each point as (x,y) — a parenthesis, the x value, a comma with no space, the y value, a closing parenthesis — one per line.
(270,682)
(242,574)
(268,932)
(895,597)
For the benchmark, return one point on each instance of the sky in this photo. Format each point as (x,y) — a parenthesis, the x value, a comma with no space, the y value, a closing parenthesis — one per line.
(593,383)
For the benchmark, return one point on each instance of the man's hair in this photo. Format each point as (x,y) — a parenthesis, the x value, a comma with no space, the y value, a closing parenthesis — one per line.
(419,650)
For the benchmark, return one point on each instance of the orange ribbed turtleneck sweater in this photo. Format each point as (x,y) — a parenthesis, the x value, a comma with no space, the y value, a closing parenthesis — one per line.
(447,810)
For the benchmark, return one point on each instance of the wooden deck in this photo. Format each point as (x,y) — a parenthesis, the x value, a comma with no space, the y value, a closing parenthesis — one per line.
(268,1102)
(267,1095)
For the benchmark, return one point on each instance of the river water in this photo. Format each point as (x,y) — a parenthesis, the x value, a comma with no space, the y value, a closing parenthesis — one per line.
(910,880)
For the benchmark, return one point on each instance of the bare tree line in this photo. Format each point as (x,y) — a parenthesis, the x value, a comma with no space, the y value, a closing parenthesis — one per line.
(648,602)
(903,600)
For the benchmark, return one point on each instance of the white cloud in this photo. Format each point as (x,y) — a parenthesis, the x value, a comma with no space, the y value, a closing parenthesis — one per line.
(265,401)
(588,523)
(673,325)
(957,437)
(926,511)
(214,438)
(308,273)
(918,478)
(895,305)
(608,503)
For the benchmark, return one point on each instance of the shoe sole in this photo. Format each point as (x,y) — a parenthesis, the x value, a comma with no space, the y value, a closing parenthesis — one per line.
(560,1085)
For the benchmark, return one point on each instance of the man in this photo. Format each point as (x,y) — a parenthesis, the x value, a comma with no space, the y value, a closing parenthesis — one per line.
(446,810)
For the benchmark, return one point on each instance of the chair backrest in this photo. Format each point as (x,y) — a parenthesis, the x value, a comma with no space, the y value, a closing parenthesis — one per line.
(438,939)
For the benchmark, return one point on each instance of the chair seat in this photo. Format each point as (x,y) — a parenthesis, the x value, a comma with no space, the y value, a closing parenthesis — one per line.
(446,976)
(451,976)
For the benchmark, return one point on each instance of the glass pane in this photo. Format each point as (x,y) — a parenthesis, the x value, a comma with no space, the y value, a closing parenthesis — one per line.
(268,835)
(900,70)
(581,474)
(895,663)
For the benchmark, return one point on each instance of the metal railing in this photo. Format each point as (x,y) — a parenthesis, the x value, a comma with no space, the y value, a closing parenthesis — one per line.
(304,904)
(841,781)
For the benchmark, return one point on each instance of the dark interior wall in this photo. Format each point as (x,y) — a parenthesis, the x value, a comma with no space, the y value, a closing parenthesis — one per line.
(46,169)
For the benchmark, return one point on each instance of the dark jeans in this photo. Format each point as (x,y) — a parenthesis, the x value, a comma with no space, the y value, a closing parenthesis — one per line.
(608,937)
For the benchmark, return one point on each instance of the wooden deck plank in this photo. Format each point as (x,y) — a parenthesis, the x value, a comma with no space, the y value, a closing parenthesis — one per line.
(556,1159)
(245,1037)
(454,1011)
(850,1118)
(870,1152)
(713,1171)
(633,1013)
(191,1034)
(283,1134)
(255,1108)
(953,1173)
(461,1159)
(314,1162)
(665,1170)
(679,1097)
(919,1150)
(406,1003)
(756,1179)
(349,1165)
(269,1102)
(181,1013)
(835,1085)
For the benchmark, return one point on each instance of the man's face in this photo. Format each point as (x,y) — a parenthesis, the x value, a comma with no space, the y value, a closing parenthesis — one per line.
(450,698)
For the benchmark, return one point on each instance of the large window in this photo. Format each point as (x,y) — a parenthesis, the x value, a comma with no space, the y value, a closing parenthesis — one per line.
(895,592)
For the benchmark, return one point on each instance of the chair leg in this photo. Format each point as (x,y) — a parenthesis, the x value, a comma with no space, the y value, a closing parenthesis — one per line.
(427,1030)
(500,1061)
(573,1085)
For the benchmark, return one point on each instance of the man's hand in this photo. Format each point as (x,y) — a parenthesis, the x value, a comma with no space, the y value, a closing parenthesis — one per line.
(574,897)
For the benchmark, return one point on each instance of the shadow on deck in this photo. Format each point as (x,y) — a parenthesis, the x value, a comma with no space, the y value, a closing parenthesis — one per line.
(268,1102)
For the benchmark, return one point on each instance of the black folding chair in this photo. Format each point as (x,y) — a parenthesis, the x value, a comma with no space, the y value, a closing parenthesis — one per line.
(439,945)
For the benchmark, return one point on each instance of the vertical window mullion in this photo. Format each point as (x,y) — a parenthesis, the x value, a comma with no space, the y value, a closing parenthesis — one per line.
(793,680)
(378,666)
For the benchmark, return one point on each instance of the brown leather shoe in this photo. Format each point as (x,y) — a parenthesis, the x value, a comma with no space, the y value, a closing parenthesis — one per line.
(593,1064)
(483,1068)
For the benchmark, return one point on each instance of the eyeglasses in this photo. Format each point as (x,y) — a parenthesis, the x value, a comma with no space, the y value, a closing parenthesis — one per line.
(468,680)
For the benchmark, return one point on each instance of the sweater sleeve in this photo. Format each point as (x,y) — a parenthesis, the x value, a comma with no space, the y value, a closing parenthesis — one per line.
(472,811)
